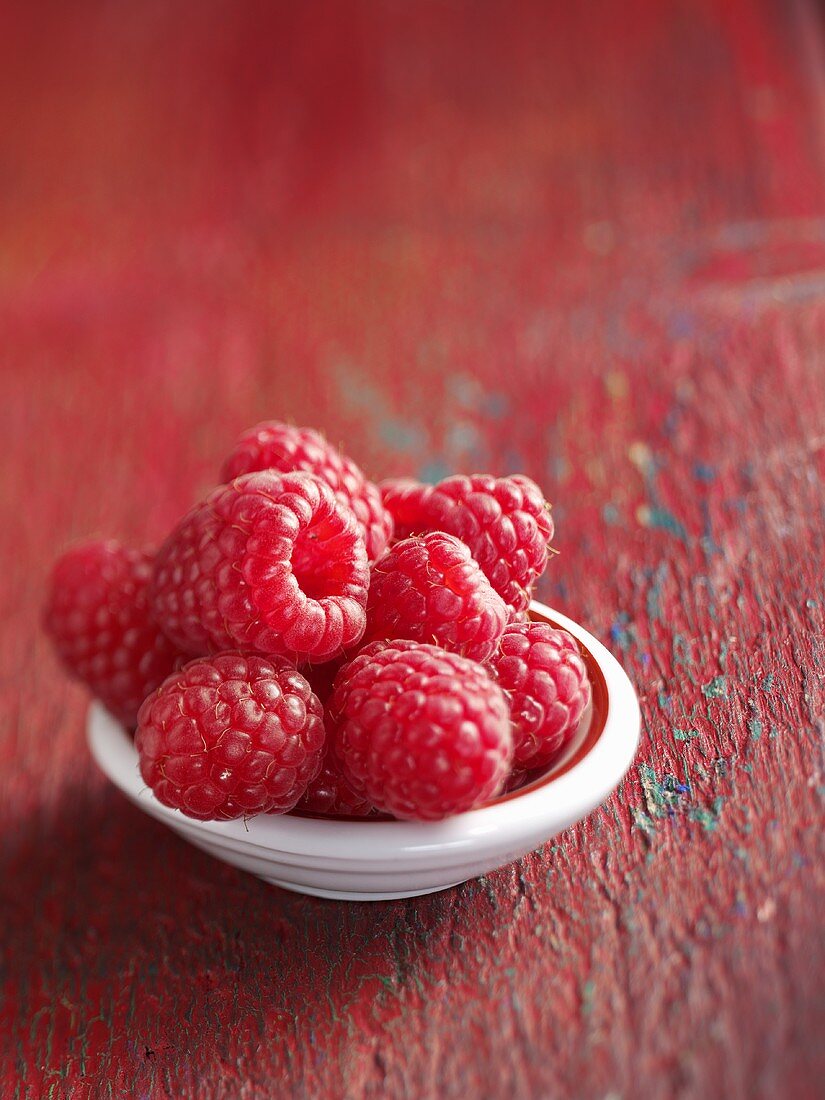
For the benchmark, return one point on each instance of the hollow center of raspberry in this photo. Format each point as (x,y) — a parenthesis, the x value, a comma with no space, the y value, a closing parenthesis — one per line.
(320,560)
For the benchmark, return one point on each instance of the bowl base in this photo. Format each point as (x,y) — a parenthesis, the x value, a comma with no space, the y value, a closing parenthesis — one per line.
(353,895)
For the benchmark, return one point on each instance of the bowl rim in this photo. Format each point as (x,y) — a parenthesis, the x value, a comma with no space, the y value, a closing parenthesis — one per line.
(553,801)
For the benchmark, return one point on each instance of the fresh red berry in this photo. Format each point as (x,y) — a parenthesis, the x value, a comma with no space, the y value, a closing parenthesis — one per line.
(331,793)
(231,736)
(515,780)
(97,614)
(505,522)
(429,589)
(404,498)
(270,562)
(541,671)
(276,446)
(422,732)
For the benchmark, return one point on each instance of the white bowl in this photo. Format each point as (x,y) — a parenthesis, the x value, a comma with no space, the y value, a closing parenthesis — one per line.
(380,860)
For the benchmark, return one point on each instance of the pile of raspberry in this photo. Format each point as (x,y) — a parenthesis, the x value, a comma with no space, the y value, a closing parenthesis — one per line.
(308,640)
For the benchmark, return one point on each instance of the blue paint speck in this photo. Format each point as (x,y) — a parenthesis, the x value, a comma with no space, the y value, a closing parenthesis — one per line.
(496,405)
(665,520)
(717,688)
(704,473)
(621,632)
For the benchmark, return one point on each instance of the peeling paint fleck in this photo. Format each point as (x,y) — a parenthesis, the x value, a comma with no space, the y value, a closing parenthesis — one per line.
(717,688)
(685,735)
(707,816)
(652,516)
(661,797)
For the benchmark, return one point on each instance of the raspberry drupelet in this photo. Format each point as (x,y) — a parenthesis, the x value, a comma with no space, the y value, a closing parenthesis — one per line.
(231,736)
(429,589)
(282,447)
(505,522)
(97,615)
(271,563)
(541,671)
(423,733)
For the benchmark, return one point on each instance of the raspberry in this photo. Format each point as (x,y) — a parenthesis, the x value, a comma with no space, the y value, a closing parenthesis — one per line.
(276,446)
(505,522)
(541,671)
(270,562)
(404,498)
(429,589)
(231,736)
(97,614)
(516,780)
(422,732)
(330,793)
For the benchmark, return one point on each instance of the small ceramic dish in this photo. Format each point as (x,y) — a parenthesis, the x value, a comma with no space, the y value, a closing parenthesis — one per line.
(380,860)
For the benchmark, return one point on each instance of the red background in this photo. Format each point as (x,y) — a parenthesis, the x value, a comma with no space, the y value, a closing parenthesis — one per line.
(586,241)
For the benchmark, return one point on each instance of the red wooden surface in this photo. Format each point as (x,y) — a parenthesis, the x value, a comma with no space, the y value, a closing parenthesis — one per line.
(582,240)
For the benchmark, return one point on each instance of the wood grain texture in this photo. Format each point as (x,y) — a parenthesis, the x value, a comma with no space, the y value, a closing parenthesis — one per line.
(586,241)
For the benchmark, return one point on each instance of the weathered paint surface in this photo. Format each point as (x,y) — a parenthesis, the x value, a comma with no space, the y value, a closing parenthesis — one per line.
(586,241)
